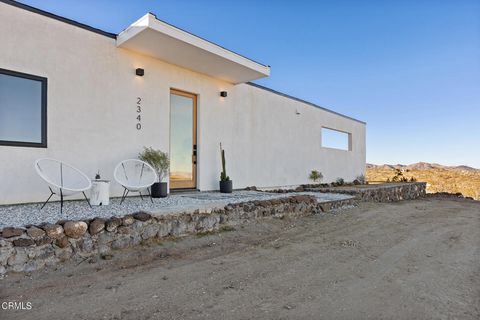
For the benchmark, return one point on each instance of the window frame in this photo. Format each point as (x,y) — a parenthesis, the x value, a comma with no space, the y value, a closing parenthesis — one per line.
(349,137)
(43,117)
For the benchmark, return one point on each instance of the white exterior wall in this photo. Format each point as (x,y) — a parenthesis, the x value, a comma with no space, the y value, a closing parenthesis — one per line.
(92,94)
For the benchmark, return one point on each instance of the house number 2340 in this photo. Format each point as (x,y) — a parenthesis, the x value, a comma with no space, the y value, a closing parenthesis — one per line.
(139,113)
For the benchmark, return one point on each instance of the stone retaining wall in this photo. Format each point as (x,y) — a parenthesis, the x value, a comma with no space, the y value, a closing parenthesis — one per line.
(387,192)
(34,247)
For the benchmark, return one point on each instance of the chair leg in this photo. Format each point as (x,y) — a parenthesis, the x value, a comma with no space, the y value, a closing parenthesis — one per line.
(125,193)
(150,195)
(141,196)
(87,199)
(61,201)
(51,194)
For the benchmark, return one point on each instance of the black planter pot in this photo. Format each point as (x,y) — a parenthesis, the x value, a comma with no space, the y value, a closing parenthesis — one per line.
(159,190)
(226,186)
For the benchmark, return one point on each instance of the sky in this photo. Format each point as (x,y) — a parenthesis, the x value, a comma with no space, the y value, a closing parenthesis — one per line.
(410,68)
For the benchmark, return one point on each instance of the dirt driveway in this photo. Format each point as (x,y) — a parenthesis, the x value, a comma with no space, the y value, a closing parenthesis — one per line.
(409,260)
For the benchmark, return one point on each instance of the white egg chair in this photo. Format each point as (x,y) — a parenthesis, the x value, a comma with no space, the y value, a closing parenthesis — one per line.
(62,179)
(135,176)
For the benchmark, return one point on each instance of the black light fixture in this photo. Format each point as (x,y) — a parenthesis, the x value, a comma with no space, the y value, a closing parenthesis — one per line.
(223,94)
(139,72)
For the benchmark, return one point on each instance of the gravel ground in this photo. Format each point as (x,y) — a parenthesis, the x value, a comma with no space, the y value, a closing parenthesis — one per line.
(407,260)
(24,214)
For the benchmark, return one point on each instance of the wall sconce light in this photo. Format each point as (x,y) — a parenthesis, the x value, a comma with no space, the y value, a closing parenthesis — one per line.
(139,72)
(223,94)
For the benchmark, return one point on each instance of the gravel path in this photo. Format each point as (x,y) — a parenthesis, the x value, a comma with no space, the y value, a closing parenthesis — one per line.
(24,214)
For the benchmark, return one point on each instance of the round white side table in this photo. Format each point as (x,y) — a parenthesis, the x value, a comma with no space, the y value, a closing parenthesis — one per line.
(100,193)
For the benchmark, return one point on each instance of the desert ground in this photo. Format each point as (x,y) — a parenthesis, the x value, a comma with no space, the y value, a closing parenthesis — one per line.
(407,260)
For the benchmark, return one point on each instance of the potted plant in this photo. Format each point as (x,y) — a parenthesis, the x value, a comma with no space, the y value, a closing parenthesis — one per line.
(160,163)
(225,182)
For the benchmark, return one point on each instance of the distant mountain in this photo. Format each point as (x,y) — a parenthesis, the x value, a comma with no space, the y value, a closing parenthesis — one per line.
(425,166)
(466,168)
(421,166)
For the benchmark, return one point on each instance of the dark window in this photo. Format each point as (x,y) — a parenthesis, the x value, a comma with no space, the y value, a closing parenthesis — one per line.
(23,109)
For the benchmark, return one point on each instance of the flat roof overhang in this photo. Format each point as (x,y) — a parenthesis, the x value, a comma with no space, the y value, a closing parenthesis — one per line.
(158,39)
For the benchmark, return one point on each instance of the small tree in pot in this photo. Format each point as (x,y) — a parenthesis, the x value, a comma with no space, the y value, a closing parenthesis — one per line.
(225,182)
(160,162)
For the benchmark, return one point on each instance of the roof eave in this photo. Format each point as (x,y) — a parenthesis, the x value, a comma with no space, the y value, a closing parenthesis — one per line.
(153,37)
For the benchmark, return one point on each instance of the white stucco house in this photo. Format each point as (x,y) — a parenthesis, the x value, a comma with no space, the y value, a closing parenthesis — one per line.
(91,98)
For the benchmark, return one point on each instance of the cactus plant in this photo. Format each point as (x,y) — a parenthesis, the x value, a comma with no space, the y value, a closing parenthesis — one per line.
(226,185)
(223,174)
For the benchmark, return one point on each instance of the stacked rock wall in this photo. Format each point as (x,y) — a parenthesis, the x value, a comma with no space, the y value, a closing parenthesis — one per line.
(381,193)
(34,247)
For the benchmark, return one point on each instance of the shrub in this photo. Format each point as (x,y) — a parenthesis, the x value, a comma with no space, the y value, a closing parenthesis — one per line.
(361,179)
(315,175)
(157,159)
(398,177)
(340,182)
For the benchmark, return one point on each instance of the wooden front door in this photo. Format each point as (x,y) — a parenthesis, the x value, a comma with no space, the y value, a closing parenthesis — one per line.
(183,140)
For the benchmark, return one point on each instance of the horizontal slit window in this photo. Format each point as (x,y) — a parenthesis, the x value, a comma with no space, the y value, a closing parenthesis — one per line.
(336,139)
